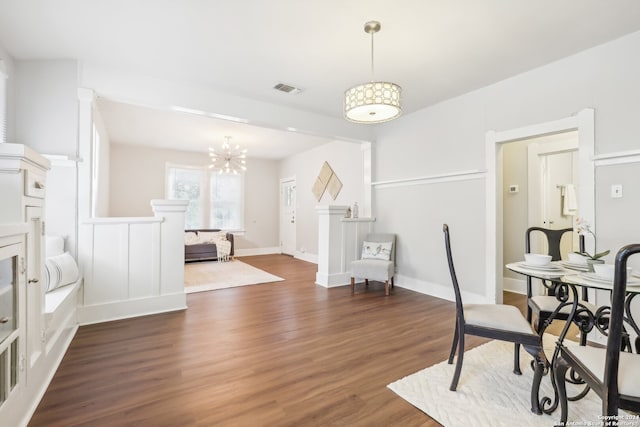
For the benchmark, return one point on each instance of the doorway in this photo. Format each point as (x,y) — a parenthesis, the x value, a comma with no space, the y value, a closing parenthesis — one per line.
(583,123)
(288,216)
(540,178)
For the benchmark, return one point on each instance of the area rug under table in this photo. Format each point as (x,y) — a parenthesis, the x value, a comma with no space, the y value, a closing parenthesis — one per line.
(212,275)
(489,394)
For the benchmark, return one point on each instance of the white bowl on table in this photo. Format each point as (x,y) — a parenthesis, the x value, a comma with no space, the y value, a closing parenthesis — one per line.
(607,271)
(537,259)
(577,259)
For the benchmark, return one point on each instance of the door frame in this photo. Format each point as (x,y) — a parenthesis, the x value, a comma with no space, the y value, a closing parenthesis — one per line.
(583,122)
(295,236)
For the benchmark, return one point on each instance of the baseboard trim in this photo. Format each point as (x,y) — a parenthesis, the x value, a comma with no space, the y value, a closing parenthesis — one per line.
(333,280)
(90,314)
(514,285)
(305,256)
(437,290)
(257,251)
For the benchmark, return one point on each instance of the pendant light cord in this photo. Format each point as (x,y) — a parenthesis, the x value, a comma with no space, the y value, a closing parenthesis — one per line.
(372,69)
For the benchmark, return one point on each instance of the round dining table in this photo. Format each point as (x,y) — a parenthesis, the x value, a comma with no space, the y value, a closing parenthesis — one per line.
(566,280)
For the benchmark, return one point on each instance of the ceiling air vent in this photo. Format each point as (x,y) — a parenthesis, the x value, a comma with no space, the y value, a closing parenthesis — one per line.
(287,88)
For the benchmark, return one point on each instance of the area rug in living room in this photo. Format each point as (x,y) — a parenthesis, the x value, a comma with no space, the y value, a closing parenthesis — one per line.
(489,394)
(212,275)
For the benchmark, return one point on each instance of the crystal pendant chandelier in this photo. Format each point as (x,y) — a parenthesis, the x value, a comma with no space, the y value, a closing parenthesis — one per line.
(229,159)
(373,102)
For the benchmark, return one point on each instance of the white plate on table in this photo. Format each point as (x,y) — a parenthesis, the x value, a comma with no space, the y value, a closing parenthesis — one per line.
(575,266)
(593,277)
(546,267)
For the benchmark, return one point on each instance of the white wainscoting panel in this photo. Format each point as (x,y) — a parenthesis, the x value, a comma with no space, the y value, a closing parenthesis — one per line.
(144,246)
(133,266)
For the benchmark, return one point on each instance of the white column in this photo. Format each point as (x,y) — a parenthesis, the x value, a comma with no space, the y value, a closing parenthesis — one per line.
(84,243)
(172,244)
(330,246)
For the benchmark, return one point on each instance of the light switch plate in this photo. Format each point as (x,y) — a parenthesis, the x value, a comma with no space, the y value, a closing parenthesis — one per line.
(616,191)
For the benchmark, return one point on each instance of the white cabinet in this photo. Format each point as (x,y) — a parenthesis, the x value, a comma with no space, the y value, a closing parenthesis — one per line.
(35,283)
(22,191)
(12,314)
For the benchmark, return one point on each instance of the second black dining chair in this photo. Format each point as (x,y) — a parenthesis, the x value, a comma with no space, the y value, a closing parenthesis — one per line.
(613,375)
(496,321)
(541,308)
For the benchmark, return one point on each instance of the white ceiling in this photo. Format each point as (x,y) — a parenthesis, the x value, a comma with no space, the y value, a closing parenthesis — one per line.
(135,125)
(434,49)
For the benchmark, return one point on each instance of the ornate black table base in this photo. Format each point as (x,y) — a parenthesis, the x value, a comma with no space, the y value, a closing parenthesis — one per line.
(586,321)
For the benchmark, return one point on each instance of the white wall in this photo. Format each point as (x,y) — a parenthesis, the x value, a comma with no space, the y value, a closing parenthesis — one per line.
(138,175)
(46,119)
(47,106)
(261,204)
(515,205)
(346,160)
(450,137)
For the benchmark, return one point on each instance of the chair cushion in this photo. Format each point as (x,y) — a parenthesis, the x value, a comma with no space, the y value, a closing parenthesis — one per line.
(373,269)
(498,316)
(549,303)
(628,371)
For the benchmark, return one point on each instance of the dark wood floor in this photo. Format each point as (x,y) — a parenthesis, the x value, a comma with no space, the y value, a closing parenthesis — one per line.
(283,354)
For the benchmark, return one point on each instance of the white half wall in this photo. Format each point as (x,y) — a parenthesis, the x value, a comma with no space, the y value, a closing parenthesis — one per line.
(133,266)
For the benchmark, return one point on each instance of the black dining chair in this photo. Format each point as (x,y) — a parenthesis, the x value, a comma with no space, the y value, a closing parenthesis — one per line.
(543,306)
(613,375)
(495,321)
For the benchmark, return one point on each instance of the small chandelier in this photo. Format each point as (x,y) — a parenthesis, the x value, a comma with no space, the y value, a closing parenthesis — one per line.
(373,102)
(229,159)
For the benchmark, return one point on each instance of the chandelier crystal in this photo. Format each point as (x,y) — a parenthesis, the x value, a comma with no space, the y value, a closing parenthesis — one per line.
(373,102)
(229,159)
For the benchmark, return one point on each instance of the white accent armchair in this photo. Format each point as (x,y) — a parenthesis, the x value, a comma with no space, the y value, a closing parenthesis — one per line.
(377,262)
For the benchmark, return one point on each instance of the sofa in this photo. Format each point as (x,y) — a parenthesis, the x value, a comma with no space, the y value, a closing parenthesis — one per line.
(199,244)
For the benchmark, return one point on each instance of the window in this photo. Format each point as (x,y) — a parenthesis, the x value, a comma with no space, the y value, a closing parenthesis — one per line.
(225,211)
(215,200)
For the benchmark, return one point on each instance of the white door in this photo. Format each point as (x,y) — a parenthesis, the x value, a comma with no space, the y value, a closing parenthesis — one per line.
(288,216)
(554,167)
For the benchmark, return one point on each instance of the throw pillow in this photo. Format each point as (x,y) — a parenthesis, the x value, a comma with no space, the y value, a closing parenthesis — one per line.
(61,270)
(191,238)
(376,250)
